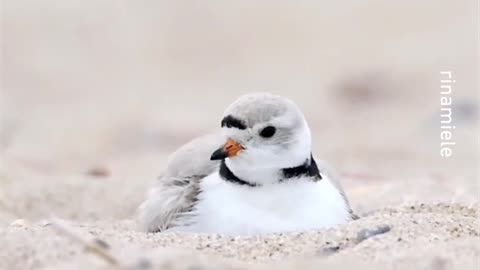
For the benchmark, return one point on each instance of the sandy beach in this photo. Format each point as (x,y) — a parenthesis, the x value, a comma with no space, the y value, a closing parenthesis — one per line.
(96,95)
(426,236)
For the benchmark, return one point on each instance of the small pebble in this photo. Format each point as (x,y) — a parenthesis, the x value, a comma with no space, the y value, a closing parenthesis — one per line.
(101,243)
(143,264)
(330,250)
(367,233)
(99,172)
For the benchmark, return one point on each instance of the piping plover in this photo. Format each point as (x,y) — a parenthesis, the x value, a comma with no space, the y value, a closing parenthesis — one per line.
(256,176)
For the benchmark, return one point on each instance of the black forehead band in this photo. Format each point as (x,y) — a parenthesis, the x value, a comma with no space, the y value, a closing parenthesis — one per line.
(230,121)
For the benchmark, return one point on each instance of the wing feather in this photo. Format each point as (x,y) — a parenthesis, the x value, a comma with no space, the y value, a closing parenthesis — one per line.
(176,192)
(325,169)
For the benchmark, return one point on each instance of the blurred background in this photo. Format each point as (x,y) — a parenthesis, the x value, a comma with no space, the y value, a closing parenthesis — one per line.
(96,94)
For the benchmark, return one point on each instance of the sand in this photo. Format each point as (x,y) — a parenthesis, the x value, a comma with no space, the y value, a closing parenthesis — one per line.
(96,94)
(427,236)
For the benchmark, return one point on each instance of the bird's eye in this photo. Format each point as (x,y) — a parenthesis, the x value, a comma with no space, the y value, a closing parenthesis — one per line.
(268,132)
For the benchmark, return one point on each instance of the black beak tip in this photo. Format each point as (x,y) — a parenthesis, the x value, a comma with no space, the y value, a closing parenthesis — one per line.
(219,154)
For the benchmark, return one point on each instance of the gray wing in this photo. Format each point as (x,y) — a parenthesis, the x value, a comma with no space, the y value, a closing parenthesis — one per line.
(326,170)
(170,201)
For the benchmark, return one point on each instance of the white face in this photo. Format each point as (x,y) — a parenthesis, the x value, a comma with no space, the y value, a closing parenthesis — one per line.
(267,147)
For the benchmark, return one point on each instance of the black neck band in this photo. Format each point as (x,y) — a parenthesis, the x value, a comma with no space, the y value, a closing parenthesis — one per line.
(309,169)
(228,175)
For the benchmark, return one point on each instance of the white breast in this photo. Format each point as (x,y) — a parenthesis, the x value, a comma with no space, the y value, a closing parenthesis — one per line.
(295,205)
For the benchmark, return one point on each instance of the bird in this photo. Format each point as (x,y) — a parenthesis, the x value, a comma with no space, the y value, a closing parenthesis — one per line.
(255,175)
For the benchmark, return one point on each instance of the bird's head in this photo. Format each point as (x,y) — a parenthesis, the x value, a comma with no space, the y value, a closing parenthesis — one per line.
(263,134)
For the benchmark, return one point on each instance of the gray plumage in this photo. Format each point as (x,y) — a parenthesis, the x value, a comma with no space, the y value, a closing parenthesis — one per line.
(261,107)
(176,191)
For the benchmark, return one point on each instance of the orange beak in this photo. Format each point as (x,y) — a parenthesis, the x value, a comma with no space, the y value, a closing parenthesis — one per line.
(230,149)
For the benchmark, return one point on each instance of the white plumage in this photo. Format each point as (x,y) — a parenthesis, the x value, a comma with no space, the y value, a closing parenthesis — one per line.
(241,210)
